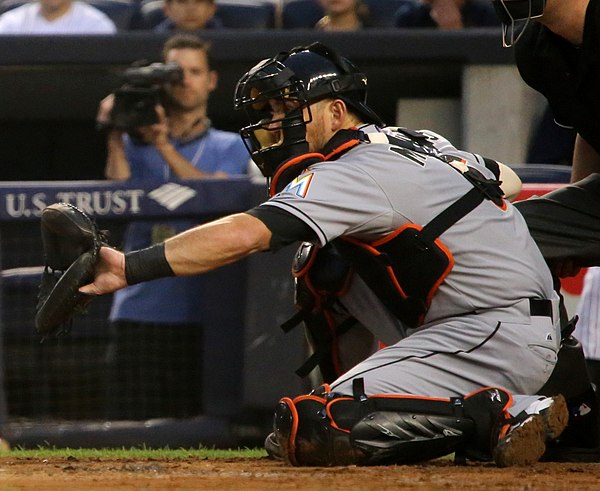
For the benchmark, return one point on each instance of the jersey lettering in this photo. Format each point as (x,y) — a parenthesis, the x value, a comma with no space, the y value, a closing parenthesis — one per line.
(416,157)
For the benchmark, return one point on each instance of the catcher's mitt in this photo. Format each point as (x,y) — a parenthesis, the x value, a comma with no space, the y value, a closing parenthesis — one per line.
(71,242)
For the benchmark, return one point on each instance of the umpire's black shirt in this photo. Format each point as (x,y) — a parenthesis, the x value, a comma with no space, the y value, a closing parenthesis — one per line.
(568,75)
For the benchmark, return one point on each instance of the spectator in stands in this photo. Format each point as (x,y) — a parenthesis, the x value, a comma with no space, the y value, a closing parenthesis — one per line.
(164,378)
(189,15)
(447,14)
(56,17)
(342,15)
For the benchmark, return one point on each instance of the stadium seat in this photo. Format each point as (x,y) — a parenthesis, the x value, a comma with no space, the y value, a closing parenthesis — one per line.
(542,173)
(151,14)
(300,14)
(121,12)
(237,14)
(382,12)
(6,5)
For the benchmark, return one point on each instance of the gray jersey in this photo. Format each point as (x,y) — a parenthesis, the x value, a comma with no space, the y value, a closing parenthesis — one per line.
(481,329)
(373,189)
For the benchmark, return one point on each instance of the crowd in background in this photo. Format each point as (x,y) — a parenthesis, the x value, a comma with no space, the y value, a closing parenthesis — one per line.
(550,143)
(110,16)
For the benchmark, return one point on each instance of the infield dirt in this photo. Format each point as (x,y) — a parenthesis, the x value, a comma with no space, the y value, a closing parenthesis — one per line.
(264,474)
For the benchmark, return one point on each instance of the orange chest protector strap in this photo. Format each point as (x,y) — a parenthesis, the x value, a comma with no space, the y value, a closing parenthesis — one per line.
(405,268)
(321,275)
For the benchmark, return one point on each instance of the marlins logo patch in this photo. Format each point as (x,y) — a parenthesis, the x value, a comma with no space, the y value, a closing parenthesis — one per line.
(299,186)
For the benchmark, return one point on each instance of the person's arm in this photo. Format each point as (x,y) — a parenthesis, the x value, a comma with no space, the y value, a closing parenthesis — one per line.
(198,250)
(180,166)
(511,182)
(586,160)
(158,135)
(117,165)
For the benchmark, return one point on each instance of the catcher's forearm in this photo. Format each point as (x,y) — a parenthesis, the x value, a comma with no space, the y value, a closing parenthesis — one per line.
(199,250)
(147,264)
(216,244)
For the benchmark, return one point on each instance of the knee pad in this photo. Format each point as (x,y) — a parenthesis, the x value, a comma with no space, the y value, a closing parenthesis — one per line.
(325,429)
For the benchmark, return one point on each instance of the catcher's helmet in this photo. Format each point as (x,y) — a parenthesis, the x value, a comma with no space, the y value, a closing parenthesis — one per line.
(511,12)
(295,79)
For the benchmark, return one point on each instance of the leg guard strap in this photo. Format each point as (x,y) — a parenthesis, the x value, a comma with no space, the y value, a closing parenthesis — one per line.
(324,428)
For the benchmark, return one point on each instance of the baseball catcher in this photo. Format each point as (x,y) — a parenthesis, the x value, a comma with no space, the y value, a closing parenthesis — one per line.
(71,241)
(445,274)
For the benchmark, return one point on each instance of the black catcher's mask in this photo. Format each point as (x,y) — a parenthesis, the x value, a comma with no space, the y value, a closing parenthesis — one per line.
(515,15)
(291,81)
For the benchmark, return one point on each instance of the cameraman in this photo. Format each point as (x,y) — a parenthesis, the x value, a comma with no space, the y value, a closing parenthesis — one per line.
(156,328)
(170,148)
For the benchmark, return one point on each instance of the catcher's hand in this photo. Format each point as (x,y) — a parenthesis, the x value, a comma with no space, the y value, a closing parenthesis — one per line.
(71,242)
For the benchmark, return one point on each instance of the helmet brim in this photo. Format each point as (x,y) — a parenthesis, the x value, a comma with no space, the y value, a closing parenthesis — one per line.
(365,112)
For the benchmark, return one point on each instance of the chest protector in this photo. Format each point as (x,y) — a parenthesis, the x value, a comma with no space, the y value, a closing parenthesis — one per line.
(406,267)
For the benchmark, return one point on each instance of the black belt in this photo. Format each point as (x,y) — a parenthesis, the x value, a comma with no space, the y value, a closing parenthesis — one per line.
(539,307)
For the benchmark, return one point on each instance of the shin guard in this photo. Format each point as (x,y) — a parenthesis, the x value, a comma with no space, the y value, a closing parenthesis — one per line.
(326,429)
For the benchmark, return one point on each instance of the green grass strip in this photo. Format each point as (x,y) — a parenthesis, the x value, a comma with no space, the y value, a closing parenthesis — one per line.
(134,453)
